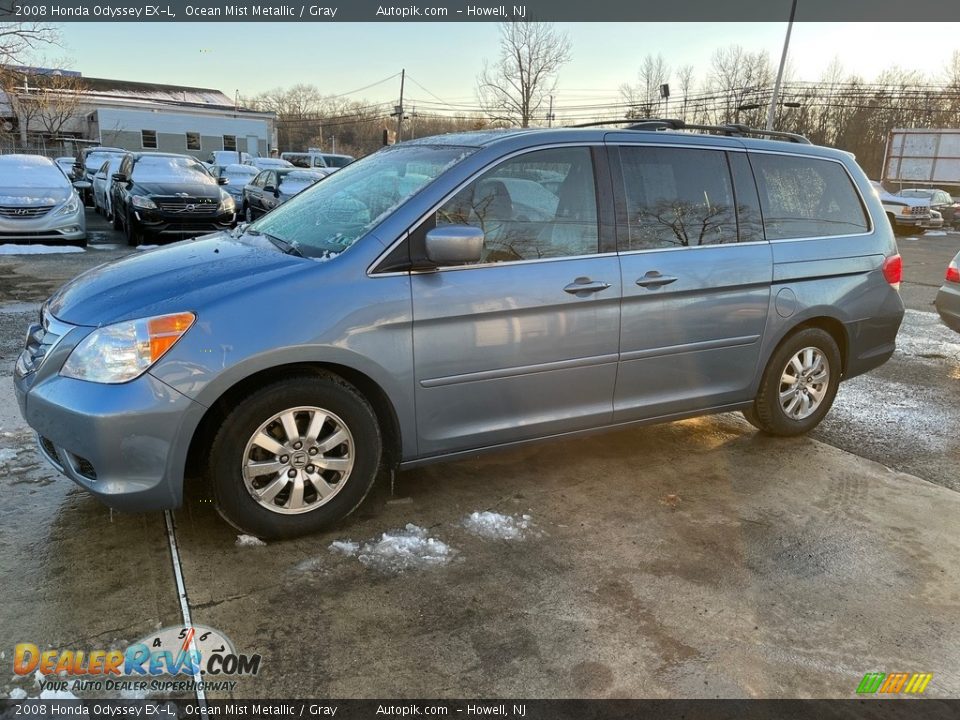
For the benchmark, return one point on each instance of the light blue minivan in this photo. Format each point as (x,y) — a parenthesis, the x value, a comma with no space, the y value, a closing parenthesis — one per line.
(465,293)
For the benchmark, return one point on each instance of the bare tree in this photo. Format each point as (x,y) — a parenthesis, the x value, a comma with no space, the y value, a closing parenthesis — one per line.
(643,98)
(59,103)
(685,77)
(18,39)
(515,87)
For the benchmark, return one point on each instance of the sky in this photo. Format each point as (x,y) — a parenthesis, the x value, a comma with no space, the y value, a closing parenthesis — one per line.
(442,60)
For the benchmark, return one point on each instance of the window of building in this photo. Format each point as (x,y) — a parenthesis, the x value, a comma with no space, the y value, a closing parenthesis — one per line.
(193,141)
(148,139)
(806,197)
(230,142)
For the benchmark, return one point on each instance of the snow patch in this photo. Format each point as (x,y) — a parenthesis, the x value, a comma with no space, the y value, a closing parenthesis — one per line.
(18,694)
(38,249)
(399,550)
(7,454)
(934,233)
(923,335)
(344,547)
(147,247)
(498,527)
(249,541)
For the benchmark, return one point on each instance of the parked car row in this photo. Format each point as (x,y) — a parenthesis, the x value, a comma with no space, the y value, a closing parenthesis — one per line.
(921,208)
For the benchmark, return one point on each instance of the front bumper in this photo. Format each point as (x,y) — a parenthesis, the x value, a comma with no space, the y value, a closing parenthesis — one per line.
(123,443)
(158,223)
(52,226)
(948,305)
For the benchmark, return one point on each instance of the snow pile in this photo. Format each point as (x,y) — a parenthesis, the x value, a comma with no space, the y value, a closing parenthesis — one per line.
(249,541)
(18,694)
(12,249)
(399,550)
(498,527)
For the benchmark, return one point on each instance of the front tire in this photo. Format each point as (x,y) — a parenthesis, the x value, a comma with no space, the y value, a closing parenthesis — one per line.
(799,384)
(134,234)
(295,457)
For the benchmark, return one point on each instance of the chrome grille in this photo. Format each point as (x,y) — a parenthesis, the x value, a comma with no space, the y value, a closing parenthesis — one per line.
(199,206)
(920,210)
(41,339)
(18,212)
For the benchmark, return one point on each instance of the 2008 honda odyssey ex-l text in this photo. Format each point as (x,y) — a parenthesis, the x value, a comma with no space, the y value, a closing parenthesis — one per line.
(461,293)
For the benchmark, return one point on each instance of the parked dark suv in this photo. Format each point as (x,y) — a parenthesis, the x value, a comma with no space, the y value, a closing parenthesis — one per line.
(457,294)
(159,194)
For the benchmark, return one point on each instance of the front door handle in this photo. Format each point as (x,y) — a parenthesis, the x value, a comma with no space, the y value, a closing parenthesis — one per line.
(655,279)
(583,286)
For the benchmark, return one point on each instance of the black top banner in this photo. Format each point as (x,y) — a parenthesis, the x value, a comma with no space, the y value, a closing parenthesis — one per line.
(480,11)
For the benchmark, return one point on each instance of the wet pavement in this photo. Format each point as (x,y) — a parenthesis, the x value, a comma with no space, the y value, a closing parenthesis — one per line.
(695,559)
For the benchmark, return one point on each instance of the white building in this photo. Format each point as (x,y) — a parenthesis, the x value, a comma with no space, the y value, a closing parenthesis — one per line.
(130,115)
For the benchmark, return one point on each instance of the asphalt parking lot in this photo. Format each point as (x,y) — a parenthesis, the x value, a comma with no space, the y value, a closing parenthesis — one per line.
(694,559)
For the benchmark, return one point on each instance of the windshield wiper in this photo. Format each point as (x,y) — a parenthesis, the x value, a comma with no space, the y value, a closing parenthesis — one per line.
(286,247)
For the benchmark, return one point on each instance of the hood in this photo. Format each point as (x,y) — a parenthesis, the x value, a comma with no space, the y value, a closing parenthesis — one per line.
(31,197)
(182,276)
(170,189)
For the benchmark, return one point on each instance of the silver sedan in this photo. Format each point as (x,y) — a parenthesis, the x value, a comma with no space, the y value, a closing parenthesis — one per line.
(37,201)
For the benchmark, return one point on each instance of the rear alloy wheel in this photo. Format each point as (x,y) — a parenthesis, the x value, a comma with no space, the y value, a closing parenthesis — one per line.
(798,385)
(295,457)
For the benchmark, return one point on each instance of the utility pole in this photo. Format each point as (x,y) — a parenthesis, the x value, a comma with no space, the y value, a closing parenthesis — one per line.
(399,109)
(550,113)
(783,62)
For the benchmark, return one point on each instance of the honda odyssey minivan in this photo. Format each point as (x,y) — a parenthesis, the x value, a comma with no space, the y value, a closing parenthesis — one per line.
(464,293)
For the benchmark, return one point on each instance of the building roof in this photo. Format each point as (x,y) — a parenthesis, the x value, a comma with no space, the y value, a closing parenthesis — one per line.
(180,94)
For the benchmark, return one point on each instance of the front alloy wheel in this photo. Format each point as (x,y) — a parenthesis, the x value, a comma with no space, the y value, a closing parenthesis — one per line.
(298,460)
(295,456)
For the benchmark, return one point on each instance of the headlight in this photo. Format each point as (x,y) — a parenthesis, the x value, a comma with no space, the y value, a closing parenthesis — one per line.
(142,201)
(124,351)
(227,203)
(71,207)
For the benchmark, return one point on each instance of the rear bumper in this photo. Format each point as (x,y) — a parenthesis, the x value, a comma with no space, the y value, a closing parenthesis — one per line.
(871,342)
(948,305)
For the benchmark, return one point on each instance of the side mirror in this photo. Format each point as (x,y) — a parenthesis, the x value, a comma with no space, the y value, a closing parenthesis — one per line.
(82,184)
(119,177)
(455,245)
(269,189)
(222,181)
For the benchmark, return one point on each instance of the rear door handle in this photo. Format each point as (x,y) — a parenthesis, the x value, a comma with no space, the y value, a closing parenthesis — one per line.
(584,286)
(655,279)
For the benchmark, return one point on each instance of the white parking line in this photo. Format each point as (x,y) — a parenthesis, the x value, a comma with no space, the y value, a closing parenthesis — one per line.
(184,604)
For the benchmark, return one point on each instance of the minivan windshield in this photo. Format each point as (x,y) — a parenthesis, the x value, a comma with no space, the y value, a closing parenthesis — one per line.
(329,217)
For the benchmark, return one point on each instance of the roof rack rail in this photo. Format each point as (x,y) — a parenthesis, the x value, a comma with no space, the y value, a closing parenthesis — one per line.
(730,130)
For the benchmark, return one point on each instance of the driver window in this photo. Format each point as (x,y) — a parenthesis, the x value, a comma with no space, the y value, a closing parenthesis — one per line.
(540,205)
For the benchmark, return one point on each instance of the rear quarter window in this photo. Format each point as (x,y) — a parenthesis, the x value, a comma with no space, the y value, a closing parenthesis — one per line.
(803,197)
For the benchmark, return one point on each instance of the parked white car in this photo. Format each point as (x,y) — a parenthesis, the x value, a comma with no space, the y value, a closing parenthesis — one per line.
(906,215)
(314,160)
(268,163)
(221,158)
(101,186)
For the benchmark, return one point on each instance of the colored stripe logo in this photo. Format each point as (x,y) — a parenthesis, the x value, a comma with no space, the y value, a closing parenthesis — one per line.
(894,683)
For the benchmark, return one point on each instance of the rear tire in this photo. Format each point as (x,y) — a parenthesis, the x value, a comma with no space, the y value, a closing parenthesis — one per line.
(799,384)
(300,485)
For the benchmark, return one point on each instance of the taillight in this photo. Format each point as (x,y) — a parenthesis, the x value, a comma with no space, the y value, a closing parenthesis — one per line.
(893,270)
(953,272)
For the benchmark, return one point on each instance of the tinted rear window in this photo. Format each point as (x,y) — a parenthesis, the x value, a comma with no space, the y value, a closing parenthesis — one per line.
(806,197)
